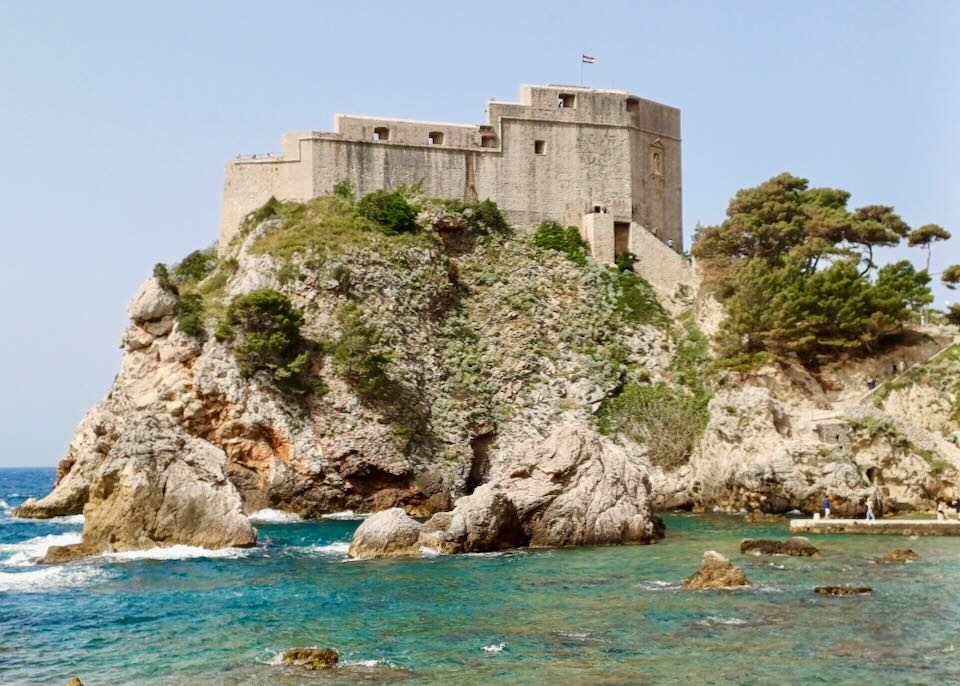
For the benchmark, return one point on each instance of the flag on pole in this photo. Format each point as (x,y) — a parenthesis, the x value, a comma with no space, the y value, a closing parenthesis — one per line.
(588,60)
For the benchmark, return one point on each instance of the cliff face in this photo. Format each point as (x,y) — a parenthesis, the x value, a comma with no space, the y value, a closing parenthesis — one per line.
(489,344)
(486,345)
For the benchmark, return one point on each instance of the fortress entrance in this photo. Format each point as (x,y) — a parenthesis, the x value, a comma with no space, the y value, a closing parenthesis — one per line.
(621,237)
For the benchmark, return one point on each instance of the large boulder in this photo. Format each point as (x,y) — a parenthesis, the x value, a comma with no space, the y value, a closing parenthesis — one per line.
(797,546)
(391,533)
(716,571)
(160,487)
(152,302)
(574,488)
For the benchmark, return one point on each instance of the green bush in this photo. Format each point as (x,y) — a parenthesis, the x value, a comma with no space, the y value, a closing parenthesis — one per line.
(668,421)
(264,328)
(162,275)
(189,313)
(487,216)
(625,261)
(266,211)
(564,239)
(196,266)
(636,301)
(344,189)
(355,355)
(389,210)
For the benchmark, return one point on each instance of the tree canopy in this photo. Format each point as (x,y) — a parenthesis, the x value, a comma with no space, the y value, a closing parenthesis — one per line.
(795,268)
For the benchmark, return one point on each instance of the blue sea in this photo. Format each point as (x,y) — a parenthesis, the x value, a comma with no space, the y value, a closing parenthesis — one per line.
(592,616)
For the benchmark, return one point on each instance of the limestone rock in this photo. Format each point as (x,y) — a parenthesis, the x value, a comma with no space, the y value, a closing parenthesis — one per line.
(843,590)
(152,302)
(310,658)
(756,517)
(574,488)
(716,571)
(898,556)
(795,547)
(391,533)
(160,487)
(75,681)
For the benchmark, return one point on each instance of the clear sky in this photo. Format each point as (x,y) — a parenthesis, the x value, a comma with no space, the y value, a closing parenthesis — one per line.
(116,118)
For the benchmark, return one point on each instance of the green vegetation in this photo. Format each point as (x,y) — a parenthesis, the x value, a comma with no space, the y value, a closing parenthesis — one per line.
(925,237)
(564,239)
(795,269)
(264,329)
(189,314)
(356,354)
(625,261)
(875,427)
(951,276)
(390,211)
(636,301)
(344,189)
(668,419)
(196,266)
(162,275)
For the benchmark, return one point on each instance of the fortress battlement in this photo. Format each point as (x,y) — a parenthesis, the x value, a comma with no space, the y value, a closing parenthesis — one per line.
(604,160)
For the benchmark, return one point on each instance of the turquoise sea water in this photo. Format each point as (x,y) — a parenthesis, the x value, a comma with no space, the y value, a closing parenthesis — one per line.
(584,616)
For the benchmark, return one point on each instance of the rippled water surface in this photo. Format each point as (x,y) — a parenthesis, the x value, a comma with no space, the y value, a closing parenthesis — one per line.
(587,616)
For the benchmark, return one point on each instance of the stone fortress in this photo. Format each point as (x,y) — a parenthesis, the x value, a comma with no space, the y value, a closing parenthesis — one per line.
(603,160)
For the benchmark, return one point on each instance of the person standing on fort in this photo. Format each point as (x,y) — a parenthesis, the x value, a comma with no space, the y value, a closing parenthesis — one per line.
(870,516)
(826,507)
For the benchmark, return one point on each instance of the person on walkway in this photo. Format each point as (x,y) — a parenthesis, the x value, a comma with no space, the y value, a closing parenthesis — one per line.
(826,507)
(941,510)
(870,516)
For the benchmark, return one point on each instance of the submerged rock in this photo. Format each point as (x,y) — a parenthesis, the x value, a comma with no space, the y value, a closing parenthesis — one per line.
(159,487)
(574,488)
(716,571)
(898,556)
(310,658)
(391,533)
(843,590)
(757,517)
(795,547)
(75,681)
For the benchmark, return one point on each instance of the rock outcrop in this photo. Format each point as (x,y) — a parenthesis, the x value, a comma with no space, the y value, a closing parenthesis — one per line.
(716,572)
(899,556)
(160,487)
(794,547)
(574,488)
(310,658)
(843,590)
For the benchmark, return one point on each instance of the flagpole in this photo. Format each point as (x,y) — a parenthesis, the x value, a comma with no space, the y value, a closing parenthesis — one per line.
(581,71)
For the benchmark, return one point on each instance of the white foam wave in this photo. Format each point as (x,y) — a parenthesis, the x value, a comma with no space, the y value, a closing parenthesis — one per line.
(335,548)
(726,621)
(659,585)
(427,551)
(178,552)
(270,515)
(579,635)
(345,515)
(31,551)
(4,505)
(495,648)
(48,578)
(362,663)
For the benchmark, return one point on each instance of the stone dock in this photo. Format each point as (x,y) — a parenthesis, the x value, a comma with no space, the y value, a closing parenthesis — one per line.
(890,527)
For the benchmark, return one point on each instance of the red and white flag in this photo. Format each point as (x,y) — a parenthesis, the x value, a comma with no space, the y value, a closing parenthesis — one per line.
(588,60)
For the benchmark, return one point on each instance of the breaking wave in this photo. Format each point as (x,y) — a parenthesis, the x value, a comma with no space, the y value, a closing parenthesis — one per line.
(49,578)
(178,552)
(270,515)
(31,551)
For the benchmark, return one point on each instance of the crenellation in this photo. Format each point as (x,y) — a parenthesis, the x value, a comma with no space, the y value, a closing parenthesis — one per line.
(554,155)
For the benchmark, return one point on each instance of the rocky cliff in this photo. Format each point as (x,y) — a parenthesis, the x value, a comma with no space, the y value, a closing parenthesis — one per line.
(465,369)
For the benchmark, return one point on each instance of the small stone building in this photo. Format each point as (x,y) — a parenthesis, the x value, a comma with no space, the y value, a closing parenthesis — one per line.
(603,160)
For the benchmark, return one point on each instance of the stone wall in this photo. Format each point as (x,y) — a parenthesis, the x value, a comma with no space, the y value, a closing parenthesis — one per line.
(554,155)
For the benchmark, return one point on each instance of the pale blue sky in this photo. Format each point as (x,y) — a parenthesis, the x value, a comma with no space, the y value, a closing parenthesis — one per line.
(116,118)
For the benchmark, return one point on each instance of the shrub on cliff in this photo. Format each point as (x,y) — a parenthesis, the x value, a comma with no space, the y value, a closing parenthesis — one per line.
(667,420)
(389,210)
(355,354)
(196,266)
(564,239)
(264,328)
(189,313)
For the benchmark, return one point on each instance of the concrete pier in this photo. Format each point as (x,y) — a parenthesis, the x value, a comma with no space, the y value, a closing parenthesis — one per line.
(890,527)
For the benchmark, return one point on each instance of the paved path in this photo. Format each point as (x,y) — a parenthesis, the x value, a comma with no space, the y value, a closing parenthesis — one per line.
(896,527)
